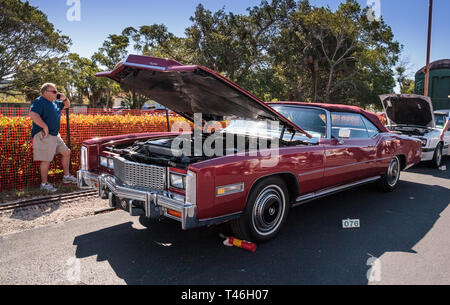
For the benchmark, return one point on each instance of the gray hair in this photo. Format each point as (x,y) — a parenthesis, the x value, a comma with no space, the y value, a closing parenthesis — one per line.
(45,87)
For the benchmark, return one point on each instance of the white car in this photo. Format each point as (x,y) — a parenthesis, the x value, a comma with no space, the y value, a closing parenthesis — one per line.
(441,117)
(413,115)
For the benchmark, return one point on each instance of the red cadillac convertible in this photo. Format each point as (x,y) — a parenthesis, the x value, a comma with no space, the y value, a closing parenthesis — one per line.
(267,159)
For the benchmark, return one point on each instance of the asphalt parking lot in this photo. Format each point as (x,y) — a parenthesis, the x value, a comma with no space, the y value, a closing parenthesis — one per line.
(402,239)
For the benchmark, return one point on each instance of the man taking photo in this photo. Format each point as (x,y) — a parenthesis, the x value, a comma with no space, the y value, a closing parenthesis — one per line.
(46,115)
(446,127)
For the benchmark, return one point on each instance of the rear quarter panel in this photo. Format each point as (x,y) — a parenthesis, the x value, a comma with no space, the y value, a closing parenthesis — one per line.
(400,145)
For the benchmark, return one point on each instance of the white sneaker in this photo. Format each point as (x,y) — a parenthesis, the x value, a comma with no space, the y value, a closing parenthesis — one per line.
(69,180)
(48,188)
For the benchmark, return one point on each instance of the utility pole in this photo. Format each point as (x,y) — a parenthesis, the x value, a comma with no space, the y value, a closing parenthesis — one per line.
(427,67)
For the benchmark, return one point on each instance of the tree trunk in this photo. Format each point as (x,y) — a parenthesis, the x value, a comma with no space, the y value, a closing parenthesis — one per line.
(134,102)
(108,98)
(330,80)
(315,79)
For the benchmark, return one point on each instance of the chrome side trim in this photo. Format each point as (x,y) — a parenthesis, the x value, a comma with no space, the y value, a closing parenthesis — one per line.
(341,166)
(312,172)
(311,196)
(409,166)
(145,66)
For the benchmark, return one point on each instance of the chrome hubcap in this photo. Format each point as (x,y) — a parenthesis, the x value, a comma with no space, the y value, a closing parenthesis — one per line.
(438,156)
(393,172)
(268,210)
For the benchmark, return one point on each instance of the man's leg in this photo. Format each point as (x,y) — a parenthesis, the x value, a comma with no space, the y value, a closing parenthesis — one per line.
(65,162)
(44,171)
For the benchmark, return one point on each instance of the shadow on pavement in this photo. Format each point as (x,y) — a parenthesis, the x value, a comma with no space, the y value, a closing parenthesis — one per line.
(312,247)
(427,169)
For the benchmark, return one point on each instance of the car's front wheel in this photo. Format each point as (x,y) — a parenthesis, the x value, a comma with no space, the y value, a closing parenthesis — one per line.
(389,181)
(437,157)
(265,213)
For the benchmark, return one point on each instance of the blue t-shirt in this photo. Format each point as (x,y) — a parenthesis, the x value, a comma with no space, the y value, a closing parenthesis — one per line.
(50,113)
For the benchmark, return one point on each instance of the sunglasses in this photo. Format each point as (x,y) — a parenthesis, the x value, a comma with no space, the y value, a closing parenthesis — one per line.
(52,91)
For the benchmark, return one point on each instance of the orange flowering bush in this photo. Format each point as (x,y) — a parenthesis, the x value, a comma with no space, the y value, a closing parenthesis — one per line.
(17,168)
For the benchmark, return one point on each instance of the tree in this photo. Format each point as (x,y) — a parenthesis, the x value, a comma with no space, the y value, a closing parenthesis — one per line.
(403,74)
(237,45)
(85,84)
(29,77)
(27,39)
(113,50)
(338,57)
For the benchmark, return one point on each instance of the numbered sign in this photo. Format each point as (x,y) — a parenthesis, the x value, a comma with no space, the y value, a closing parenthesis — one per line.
(350,223)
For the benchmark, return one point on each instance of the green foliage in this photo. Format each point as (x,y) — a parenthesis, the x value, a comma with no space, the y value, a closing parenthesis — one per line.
(27,39)
(339,57)
(12,99)
(406,84)
(278,50)
(114,49)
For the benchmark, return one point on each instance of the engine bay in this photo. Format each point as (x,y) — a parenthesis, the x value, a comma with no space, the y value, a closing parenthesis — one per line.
(410,131)
(182,151)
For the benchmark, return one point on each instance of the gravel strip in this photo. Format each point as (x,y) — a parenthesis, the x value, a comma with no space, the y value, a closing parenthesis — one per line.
(32,217)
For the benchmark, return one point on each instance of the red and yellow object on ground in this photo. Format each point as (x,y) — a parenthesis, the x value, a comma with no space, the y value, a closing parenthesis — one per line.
(246,245)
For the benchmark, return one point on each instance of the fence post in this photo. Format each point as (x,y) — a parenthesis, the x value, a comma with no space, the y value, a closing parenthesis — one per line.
(168,121)
(68,140)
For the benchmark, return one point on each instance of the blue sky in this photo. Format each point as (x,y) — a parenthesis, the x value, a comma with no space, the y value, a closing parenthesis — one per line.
(99,18)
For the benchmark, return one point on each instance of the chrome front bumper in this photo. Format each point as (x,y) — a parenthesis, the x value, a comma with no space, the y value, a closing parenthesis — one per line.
(86,179)
(154,203)
(427,155)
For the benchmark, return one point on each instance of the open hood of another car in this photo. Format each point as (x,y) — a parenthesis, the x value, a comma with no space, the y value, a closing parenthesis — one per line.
(187,90)
(408,109)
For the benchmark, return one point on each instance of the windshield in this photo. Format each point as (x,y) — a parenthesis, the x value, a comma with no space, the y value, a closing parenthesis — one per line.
(440,120)
(259,128)
(311,120)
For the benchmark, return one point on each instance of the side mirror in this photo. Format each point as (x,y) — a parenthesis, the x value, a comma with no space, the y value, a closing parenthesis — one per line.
(344,133)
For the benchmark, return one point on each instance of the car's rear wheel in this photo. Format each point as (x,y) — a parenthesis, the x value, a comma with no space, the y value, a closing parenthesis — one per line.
(389,181)
(265,213)
(437,157)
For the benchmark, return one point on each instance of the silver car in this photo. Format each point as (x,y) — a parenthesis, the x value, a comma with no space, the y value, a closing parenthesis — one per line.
(413,115)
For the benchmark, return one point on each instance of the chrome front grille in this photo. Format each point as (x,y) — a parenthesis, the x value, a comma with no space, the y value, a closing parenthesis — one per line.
(140,175)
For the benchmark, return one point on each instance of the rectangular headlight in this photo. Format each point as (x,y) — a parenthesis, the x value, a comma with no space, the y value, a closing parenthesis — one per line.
(110,163)
(84,158)
(103,161)
(177,181)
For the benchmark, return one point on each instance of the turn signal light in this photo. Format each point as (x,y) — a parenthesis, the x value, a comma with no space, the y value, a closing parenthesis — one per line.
(174,213)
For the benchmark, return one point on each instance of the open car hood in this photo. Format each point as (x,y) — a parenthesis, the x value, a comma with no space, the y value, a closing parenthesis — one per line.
(192,89)
(408,109)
